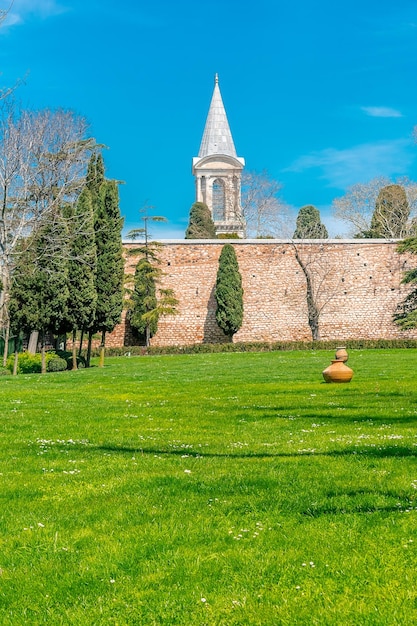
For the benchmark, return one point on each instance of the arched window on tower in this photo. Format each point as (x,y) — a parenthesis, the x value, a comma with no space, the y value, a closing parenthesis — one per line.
(219,204)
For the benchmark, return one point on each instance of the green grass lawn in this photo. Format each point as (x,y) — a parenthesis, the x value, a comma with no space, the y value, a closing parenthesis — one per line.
(211,489)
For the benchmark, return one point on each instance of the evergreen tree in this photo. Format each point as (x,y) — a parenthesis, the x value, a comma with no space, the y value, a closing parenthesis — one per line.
(144,299)
(309,225)
(229,292)
(110,263)
(201,225)
(109,273)
(95,177)
(390,217)
(406,313)
(39,291)
(82,268)
(146,306)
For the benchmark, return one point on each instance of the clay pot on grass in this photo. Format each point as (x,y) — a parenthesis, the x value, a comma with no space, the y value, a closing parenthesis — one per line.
(337,372)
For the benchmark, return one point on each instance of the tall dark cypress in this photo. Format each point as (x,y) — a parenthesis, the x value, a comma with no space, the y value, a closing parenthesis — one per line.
(39,291)
(82,267)
(229,292)
(110,263)
(109,274)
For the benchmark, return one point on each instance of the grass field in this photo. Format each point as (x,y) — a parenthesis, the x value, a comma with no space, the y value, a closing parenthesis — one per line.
(211,489)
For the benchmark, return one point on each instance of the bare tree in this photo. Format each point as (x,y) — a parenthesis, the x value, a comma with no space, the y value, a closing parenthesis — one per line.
(319,274)
(358,205)
(43,157)
(265,213)
(4,12)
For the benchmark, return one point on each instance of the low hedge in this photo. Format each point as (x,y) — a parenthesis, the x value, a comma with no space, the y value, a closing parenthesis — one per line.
(261,346)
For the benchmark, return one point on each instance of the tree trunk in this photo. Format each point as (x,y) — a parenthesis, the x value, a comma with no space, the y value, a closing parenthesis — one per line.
(88,356)
(6,343)
(16,355)
(43,354)
(147,335)
(102,349)
(80,349)
(74,349)
(312,308)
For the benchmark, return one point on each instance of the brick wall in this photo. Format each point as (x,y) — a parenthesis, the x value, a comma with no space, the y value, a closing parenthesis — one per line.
(357,285)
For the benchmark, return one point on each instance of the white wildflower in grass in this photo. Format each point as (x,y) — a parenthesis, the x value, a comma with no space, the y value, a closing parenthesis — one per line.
(112,580)
(187,471)
(203,600)
(41,525)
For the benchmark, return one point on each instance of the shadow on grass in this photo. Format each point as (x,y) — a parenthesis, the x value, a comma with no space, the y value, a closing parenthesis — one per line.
(402,503)
(380,452)
(349,510)
(349,413)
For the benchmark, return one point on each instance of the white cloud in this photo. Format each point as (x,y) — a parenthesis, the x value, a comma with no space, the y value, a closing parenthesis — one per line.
(22,10)
(342,168)
(381,112)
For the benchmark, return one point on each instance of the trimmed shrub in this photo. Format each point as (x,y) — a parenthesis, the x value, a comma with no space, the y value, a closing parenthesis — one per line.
(56,364)
(27,363)
(67,356)
(32,363)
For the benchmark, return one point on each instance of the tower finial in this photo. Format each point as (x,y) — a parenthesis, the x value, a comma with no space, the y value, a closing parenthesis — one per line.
(216,79)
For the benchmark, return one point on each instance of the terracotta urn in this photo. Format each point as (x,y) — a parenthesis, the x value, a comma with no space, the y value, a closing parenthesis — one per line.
(337,372)
(341,354)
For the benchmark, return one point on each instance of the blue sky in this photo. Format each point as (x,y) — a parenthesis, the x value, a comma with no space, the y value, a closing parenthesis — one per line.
(323,95)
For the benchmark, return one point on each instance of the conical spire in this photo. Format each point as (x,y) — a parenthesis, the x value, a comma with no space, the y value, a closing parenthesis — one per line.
(217,138)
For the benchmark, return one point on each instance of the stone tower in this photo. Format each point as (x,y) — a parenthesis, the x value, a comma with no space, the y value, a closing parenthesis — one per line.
(218,169)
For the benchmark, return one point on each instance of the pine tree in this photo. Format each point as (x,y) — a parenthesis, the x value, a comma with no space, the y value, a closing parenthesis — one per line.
(148,303)
(309,225)
(201,225)
(229,292)
(82,268)
(144,299)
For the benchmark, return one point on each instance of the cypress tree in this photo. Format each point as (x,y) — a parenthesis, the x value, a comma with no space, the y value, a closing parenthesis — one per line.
(82,268)
(229,292)
(309,224)
(39,291)
(110,263)
(109,273)
(406,313)
(391,214)
(201,225)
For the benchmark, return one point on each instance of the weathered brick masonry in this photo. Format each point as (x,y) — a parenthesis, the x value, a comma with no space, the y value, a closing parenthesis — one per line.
(357,282)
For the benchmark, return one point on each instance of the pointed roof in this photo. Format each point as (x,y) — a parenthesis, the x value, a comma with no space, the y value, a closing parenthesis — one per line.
(217,138)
